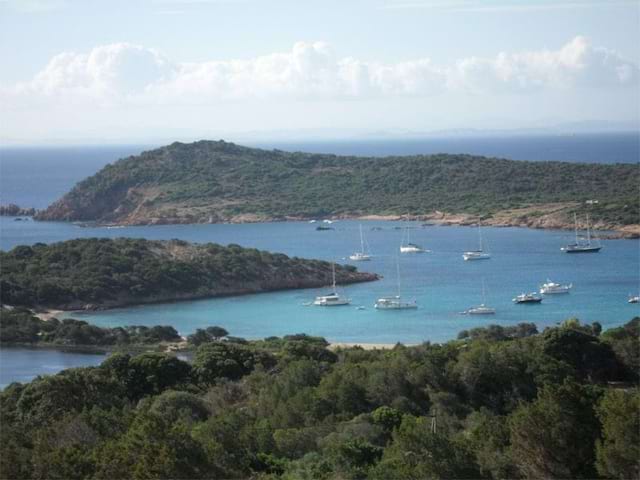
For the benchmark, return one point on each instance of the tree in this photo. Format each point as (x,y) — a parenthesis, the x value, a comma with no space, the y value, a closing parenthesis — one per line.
(554,436)
(229,360)
(618,453)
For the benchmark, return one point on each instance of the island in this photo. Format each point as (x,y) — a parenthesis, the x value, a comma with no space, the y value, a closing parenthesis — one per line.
(98,273)
(218,181)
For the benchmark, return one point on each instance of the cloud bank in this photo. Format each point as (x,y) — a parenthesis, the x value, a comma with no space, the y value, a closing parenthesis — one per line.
(123,73)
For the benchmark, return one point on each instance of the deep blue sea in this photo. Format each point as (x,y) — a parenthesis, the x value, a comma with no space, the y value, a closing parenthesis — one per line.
(441,282)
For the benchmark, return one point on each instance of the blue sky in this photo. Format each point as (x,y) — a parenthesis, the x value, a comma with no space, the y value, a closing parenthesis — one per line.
(85,71)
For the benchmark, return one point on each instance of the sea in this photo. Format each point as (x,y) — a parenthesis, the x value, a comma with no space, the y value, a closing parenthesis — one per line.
(441,282)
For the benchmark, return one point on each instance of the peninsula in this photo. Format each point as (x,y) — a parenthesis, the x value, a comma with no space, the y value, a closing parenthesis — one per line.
(105,273)
(214,182)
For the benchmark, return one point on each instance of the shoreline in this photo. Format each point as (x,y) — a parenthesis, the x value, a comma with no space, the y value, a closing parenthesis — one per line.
(537,217)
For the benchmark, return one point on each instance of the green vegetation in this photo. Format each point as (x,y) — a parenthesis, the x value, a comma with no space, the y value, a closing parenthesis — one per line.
(92,273)
(21,327)
(217,181)
(496,403)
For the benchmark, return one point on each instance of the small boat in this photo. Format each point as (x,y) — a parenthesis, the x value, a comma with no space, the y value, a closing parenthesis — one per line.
(581,244)
(322,227)
(532,297)
(481,309)
(479,254)
(410,247)
(360,256)
(332,299)
(312,221)
(395,302)
(553,288)
(634,299)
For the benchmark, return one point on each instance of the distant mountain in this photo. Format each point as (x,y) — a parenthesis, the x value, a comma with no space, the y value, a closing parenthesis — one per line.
(209,181)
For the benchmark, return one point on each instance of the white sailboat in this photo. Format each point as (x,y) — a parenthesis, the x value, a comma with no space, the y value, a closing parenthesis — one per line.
(481,309)
(479,254)
(582,245)
(395,302)
(410,247)
(332,299)
(362,255)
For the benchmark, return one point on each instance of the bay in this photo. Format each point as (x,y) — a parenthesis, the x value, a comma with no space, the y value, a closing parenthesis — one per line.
(24,364)
(441,281)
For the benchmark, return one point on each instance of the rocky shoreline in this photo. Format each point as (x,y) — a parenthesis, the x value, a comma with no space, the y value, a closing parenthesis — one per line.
(547,216)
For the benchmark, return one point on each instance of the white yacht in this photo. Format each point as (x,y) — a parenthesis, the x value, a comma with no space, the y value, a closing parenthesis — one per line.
(552,288)
(362,255)
(481,253)
(481,309)
(410,247)
(532,297)
(332,299)
(395,302)
(634,299)
(581,244)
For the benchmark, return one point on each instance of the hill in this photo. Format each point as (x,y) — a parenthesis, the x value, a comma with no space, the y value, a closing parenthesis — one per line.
(103,273)
(210,181)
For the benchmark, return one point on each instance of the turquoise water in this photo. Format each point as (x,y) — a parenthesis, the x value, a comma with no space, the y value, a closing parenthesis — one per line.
(441,282)
(23,364)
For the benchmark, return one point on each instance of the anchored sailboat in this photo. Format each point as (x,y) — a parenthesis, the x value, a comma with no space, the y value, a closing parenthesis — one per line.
(479,254)
(332,299)
(395,302)
(362,255)
(481,309)
(581,245)
(410,247)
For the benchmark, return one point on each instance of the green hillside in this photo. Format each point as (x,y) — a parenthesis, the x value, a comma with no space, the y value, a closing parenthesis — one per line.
(218,181)
(96,273)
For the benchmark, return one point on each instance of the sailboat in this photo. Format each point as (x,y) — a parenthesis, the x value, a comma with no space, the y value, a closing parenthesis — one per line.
(410,247)
(395,302)
(332,299)
(581,245)
(361,255)
(479,254)
(481,309)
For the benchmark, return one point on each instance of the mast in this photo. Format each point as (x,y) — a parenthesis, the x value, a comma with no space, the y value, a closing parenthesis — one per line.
(361,240)
(575,225)
(333,271)
(480,236)
(398,274)
(484,301)
(588,232)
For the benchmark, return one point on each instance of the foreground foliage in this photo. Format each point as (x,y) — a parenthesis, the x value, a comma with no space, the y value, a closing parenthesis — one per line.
(498,403)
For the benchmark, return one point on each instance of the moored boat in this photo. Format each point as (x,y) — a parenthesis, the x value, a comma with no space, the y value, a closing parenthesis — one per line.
(532,297)
(332,299)
(553,288)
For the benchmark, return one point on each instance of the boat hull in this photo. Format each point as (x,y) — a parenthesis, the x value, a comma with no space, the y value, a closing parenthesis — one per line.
(582,250)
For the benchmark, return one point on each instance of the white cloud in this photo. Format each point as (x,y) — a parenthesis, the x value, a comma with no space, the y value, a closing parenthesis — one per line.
(131,74)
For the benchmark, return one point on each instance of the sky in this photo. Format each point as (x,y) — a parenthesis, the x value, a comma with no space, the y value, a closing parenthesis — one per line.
(162,70)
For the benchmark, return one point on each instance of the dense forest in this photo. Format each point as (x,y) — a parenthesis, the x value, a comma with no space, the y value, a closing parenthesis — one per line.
(498,402)
(218,181)
(96,273)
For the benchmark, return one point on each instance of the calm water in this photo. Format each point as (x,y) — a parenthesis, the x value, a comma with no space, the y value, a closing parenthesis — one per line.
(441,282)
(23,365)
